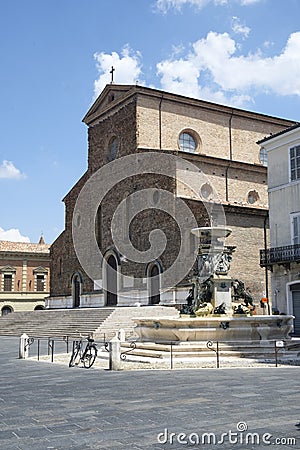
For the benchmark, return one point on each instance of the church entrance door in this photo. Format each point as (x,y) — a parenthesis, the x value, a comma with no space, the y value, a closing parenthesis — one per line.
(154,297)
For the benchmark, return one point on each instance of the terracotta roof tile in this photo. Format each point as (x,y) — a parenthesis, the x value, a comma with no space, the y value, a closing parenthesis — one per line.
(7,246)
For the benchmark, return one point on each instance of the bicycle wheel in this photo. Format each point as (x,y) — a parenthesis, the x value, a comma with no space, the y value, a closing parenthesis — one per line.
(89,356)
(75,355)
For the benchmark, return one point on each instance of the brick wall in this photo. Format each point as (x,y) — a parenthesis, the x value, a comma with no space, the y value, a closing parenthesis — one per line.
(148,122)
(211,123)
(248,237)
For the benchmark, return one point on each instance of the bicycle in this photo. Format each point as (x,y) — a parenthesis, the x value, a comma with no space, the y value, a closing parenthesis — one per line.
(86,356)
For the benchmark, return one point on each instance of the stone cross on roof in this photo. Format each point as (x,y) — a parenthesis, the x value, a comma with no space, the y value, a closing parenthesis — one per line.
(112,74)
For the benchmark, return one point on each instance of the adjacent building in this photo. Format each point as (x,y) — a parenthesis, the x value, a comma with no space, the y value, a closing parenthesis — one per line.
(282,258)
(24,276)
(220,141)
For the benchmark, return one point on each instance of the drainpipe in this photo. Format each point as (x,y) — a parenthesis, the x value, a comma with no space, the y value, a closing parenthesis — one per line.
(159,121)
(266,267)
(230,156)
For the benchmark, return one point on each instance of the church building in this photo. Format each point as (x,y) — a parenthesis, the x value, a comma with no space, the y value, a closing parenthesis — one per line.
(219,159)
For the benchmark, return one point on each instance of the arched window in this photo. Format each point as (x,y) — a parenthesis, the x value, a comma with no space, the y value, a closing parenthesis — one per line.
(39,308)
(60,266)
(98,226)
(113,148)
(6,310)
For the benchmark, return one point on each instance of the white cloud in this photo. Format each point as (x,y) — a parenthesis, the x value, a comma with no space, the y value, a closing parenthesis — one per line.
(8,170)
(179,76)
(268,44)
(127,68)
(165,5)
(12,235)
(212,71)
(279,73)
(249,2)
(185,82)
(239,28)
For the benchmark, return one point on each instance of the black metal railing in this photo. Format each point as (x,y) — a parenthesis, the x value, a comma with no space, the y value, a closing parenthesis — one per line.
(123,355)
(280,255)
(277,346)
(50,346)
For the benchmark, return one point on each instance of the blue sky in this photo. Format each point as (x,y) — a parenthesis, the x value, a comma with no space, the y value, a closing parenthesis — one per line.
(55,60)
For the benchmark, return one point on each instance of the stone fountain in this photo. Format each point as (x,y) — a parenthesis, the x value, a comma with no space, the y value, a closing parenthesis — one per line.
(218,308)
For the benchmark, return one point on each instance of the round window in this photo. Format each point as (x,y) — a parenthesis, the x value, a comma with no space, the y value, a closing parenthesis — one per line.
(113,149)
(206,190)
(187,142)
(253,197)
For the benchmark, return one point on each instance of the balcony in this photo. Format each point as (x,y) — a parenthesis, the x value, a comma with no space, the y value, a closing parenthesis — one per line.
(280,255)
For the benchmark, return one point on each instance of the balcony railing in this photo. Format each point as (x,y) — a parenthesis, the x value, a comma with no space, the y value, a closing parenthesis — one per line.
(280,255)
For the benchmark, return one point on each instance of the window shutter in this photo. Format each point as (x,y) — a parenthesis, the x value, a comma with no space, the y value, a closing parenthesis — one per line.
(295,163)
(296,230)
(7,283)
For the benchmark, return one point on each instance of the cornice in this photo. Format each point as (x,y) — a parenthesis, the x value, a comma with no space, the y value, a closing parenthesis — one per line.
(6,254)
(135,90)
(213,160)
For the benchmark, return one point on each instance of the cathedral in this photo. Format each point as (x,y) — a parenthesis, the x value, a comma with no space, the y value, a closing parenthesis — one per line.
(160,164)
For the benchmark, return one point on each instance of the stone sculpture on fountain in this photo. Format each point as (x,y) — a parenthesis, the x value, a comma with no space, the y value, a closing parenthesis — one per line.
(218,307)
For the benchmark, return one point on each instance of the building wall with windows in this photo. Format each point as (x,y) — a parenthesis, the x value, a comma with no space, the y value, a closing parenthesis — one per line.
(284,185)
(222,132)
(283,255)
(219,140)
(24,276)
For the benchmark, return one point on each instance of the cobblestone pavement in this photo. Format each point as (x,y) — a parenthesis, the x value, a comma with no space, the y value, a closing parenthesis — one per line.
(50,406)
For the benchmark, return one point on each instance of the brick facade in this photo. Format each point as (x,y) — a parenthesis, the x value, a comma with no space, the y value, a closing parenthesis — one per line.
(143,120)
(27,266)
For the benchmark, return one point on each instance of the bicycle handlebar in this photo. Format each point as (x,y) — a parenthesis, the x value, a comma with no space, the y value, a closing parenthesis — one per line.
(89,337)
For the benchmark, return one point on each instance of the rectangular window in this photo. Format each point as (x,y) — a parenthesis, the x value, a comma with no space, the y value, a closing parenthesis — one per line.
(295,228)
(40,283)
(7,283)
(295,163)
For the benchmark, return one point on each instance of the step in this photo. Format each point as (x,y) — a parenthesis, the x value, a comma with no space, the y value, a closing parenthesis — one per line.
(60,322)
(200,350)
(123,317)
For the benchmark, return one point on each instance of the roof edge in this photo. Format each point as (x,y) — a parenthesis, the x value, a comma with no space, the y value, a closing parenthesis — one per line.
(138,89)
(280,133)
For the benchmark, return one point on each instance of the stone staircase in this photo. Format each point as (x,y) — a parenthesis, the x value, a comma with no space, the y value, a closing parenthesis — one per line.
(105,322)
(54,323)
(102,322)
(123,318)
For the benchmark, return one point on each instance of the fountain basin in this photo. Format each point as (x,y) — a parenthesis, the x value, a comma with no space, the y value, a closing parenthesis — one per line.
(223,329)
(209,232)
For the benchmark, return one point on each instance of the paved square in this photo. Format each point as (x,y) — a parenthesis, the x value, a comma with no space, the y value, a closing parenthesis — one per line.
(48,406)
